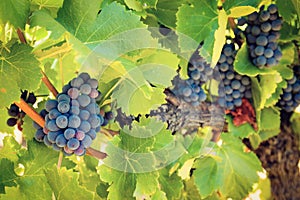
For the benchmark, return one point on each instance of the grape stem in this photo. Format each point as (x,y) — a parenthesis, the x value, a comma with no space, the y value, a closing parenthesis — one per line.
(231,23)
(30,112)
(49,85)
(109,132)
(21,36)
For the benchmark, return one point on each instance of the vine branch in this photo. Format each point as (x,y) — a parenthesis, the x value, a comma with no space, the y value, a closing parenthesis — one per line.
(49,85)
(21,36)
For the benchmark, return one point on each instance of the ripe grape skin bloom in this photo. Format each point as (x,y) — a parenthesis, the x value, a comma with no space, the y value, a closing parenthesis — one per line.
(73,117)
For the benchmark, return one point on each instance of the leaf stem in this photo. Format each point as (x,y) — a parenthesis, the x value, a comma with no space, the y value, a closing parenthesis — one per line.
(21,36)
(49,85)
(109,132)
(60,158)
(97,154)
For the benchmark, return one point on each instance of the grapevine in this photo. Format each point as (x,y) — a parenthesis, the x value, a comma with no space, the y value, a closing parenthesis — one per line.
(149,100)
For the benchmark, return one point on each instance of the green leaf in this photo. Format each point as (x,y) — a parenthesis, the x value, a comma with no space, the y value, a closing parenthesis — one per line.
(35,160)
(166,12)
(64,182)
(7,175)
(170,184)
(256,92)
(243,65)
(156,67)
(240,11)
(190,190)
(268,83)
(288,9)
(270,119)
(295,121)
(289,32)
(125,185)
(205,176)
(197,21)
(237,171)
(212,50)
(288,53)
(276,95)
(18,66)
(91,28)
(10,149)
(51,5)
(14,11)
(241,131)
(143,190)
(135,150)
(236,3)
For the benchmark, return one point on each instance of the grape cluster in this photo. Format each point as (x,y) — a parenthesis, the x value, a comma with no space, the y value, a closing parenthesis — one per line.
(73,119)
(15,113)
(262,33)
(233,86)
(290,98)
(190,90)
(107,113)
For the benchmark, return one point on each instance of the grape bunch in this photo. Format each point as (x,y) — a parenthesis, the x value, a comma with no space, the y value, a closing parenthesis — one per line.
(290,98)
(233,86)
(190,90)
(15,113)
(73,119)
(107,113)
(262,33)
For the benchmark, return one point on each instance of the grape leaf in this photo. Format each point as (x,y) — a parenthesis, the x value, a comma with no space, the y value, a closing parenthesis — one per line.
(51,5)
(170,184)
(289,32)
(211,51)
(241,131)
(288,54)
(266,134)
(240,11)
(18,66)
(159,195)
(276,95)
(270,119)
(256,92)
(236,3)
(92,29)
(166,12)
(190,190)
(295,119)
(243,65)
(134,150)
(14,11)
(197,21)
(37,158)
(156,67)
(288,9)
(237,171)
(268,83)
(12,193)
(205,176)
(132,184)
(7,175)
(10,149)
(64,182)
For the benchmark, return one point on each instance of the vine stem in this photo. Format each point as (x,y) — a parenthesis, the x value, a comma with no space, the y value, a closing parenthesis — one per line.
(49,85)
(21,36)
(30,112)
